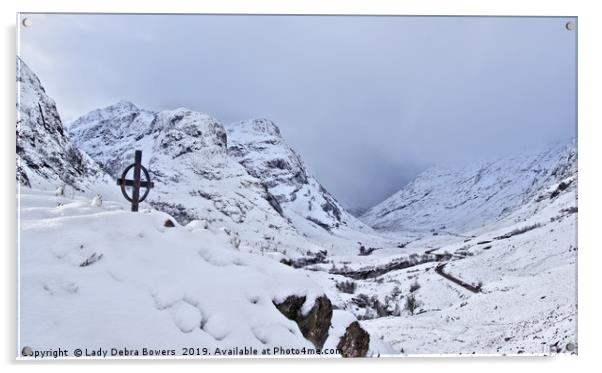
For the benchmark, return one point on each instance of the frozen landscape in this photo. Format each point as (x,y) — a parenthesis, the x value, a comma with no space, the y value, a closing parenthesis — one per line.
(240,246)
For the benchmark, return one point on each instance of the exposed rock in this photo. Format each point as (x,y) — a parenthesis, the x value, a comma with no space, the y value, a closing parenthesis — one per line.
(259,146)
(322,225)
(315,324)
(563,185)
(195,177)
(178,211)
(169,224)
(355,342)
(46,157)
(272,200)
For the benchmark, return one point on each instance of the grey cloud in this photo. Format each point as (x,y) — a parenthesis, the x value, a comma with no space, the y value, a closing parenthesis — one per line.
(368,101)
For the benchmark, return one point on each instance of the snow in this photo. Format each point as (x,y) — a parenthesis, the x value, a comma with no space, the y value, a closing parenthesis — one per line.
(527,305)
(447,199)
(226,175)
(259,146)
(151,286)
(96,201)
(242,203)
(186,154)
(46,158)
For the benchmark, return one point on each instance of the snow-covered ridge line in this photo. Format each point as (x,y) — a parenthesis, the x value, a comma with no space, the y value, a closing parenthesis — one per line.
(258,145)
(186,154)
(460,199)
(202,263)
(229,175)
(89,262)
(46,157)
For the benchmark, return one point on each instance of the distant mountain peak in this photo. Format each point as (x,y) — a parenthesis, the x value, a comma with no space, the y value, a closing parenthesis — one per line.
(258,125)
(122,105)
(125,104)
(461,198)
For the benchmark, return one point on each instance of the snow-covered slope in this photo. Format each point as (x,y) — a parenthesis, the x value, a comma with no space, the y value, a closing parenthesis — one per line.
(95,276)
(246,179)
(102,277)
(186,154)
(527,303)
(481,260)
(258,145)
(446,199)
(46,157)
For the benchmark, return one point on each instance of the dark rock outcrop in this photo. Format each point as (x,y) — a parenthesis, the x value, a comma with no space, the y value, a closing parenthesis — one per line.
(355,342)
(315,324)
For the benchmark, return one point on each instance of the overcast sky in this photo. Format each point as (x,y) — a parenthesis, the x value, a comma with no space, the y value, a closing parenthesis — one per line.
(368,102)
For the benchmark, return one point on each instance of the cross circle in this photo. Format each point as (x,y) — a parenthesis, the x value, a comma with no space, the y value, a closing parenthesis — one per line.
(144,184)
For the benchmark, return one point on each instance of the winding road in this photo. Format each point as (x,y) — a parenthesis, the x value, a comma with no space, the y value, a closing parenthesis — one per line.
(455,280)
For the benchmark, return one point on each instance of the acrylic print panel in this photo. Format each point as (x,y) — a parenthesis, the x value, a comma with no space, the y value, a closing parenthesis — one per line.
(227,185)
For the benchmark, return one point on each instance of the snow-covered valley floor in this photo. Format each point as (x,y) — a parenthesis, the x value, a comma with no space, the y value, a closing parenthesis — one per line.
(527,298)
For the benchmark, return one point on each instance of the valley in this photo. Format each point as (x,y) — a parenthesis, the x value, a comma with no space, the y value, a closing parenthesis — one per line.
(478,259)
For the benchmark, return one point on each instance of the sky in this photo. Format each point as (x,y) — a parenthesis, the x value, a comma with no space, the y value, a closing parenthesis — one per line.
(368,102)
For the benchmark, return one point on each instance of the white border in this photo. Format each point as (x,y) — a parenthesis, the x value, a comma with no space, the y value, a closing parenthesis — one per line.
(590,182)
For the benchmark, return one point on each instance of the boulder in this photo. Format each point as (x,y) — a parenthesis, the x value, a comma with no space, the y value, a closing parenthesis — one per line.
(315,324)
(355,341)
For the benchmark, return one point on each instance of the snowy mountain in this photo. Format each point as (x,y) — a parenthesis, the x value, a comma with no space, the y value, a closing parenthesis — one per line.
(46,157)
(258,145)
(507,286)
(229,251)
(195,178)
(245,178)
(97,277)
(447,199)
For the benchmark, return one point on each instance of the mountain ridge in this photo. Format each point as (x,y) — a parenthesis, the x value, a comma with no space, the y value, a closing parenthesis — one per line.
(45,155)
(472,196)
(210,180)
(258,145)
